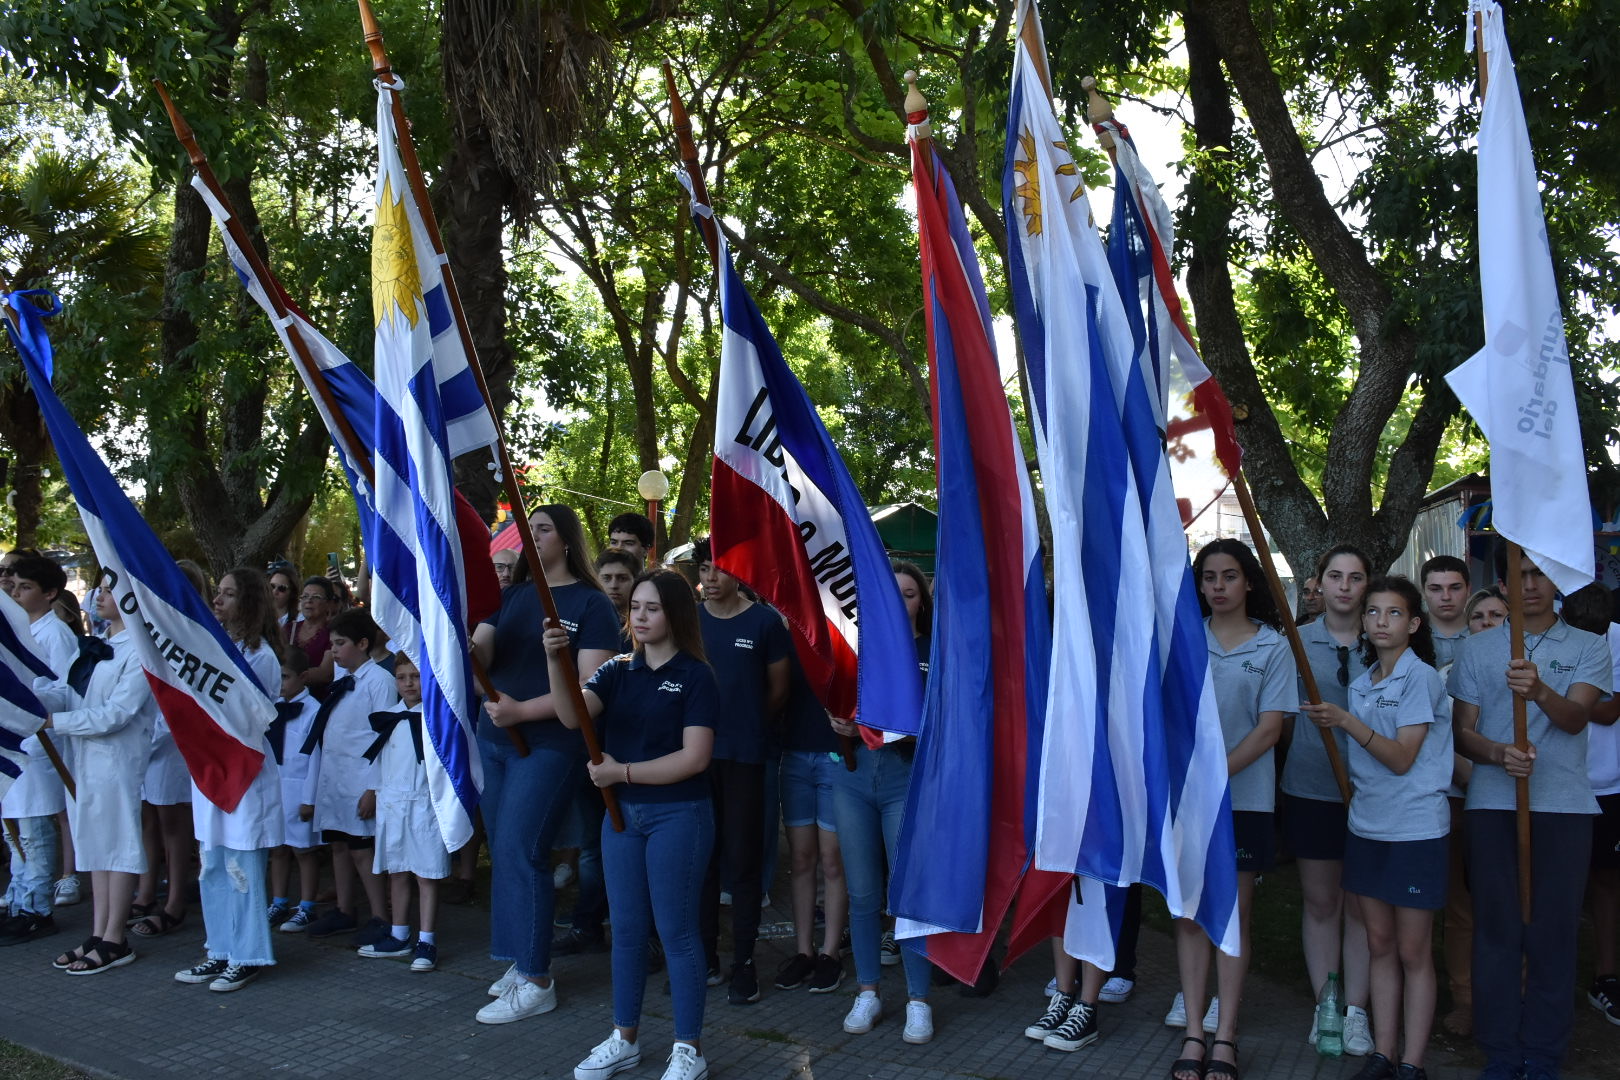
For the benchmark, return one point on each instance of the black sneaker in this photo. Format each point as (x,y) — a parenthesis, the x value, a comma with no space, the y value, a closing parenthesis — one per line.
(278,913)
(1604,994)
(26,926)
(794,970)
(744,984)
(234,978)
(1079,1028)
(1408,1071)
(829,975)
(1376,1067)
(333,922)
(207,971)
(1057,1008)
(573,942)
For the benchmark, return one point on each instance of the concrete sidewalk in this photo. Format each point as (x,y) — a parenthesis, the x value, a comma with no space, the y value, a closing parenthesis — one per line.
(325,1012)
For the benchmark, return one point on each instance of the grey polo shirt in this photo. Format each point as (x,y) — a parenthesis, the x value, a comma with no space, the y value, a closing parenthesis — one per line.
(1446,646)
(1258,676)
(1411,806)
(1563,656)
(1306,772)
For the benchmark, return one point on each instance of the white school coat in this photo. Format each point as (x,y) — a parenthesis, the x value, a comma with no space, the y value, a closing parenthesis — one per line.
(256,821)
(295,771)
(38,792)
(338,770)
(112,724)
(408,837)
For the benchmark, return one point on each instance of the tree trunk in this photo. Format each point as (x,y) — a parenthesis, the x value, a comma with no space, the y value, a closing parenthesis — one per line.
(23,429)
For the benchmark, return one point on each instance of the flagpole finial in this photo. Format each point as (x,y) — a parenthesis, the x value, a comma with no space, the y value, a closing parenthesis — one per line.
(916,108)
(1098,110)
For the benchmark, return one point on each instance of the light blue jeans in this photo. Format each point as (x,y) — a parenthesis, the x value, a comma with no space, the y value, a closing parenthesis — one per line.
(655,870)
(869,804)
(234,902)
(33,869)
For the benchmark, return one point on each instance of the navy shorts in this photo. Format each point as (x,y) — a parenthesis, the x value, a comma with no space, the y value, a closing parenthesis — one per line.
(1606,833)
(1256,834)
(1401,873)
(338,836)
(1314,828)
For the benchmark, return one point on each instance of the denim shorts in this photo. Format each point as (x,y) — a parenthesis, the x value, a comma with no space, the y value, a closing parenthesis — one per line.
(807,789)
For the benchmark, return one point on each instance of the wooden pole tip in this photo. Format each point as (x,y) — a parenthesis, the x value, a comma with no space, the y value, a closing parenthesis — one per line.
(1098,109)
(915,102)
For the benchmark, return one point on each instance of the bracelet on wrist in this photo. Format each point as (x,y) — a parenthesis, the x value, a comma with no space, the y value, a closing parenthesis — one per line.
(1370,734)
(627,772)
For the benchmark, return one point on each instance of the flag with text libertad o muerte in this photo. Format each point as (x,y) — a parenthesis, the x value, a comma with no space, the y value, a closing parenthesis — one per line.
(1518,388)
(788,521)
(214,706)
(1133,784)
(421,373)
(964,840)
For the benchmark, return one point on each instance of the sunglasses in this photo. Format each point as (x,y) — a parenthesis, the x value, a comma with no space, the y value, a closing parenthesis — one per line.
(279,588)
(1344,664)
(8,571)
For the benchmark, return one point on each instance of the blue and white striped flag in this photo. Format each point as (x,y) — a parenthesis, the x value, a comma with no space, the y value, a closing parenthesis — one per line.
(21,712)
(1133,782)
(420,368)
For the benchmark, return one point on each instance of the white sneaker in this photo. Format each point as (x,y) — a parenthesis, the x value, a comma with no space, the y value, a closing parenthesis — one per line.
(612,1055)
(1051,987)
(1358,1040)
(504,983)
(1116,991)
(522,1000)
(685,1063)
(562,876)
(1177,1016)
(866,1011)
(65,893)
(1314,1021)
(919,1022)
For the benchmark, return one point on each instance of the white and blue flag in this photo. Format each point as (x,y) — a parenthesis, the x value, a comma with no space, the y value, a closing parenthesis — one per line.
(21,712)
(1133,784)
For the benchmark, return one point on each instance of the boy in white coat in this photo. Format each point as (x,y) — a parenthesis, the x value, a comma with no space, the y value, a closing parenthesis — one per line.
(409,844)
(300,843)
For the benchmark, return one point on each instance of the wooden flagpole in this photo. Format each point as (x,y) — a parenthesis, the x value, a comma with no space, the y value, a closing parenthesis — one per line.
(358,453)
(1099,111)
(1515,596)
(42,735)
(413,171)
(687,148)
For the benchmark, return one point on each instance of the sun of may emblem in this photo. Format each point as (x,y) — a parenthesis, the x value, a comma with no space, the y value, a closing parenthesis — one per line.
(395,280)
(1029,187)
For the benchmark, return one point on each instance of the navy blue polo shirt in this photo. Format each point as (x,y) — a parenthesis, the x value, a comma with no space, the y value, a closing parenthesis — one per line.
(518,664)
(805,726)
(645,712)
(740,649)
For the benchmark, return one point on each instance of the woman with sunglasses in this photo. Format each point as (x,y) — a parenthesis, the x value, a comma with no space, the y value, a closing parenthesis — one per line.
(1314,816)
(284,593)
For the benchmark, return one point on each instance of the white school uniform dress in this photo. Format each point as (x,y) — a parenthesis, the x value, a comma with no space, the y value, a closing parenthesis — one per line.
(339,772)
(38,792)
(167,781)
(295,771)
(112,724)
(256,821)
(408,837)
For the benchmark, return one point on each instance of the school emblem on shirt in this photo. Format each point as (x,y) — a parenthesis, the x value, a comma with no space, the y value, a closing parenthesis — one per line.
(1387,703)
(571,627)
(743,643)
(670,686)
(1558,667)
(1252,668)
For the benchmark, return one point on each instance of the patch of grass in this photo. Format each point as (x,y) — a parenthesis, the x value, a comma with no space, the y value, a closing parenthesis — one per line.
(17,1063)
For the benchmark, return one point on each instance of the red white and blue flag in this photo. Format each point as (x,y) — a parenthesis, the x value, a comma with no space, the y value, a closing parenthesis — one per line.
(1133,783)
(787,521)
(209,695)
(964,840)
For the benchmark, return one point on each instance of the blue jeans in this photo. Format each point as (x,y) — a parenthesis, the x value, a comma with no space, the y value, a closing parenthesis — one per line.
(591,908)
(670,843)
(33,869)
(233,905)
(870,802)
(525,802)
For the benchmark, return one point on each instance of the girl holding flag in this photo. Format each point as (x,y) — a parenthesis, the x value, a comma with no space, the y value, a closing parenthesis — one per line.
(1253,675)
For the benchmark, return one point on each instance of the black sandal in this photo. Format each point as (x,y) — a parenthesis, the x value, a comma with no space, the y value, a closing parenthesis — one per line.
(105,955)
(73,956)
(157,924)
(1185,1066)
(1226,1069)
(137,912)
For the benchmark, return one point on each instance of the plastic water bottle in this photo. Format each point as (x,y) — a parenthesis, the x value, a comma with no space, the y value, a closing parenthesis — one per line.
(1329,1021)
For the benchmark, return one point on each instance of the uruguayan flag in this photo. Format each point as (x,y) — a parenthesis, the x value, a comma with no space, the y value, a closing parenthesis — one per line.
(421,368)
(21,713)
(1133,771)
